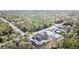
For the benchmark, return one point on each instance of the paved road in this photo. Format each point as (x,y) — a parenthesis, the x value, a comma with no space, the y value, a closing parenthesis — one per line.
(15,29)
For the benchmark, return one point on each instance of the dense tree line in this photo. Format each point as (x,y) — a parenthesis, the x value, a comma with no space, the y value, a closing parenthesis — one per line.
(30,22)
